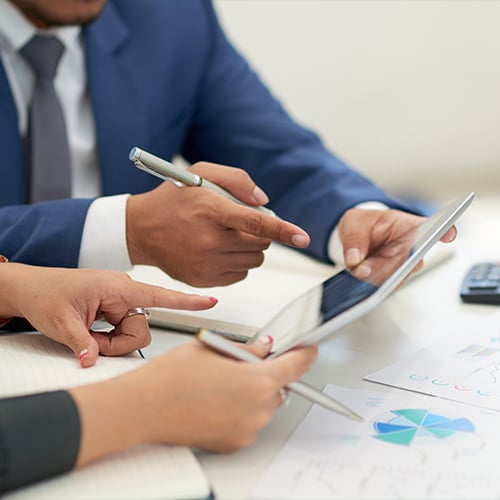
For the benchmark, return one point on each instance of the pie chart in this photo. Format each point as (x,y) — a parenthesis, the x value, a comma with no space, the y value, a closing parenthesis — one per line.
(405,425)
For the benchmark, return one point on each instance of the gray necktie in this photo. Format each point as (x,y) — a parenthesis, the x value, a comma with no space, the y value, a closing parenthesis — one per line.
(47,149)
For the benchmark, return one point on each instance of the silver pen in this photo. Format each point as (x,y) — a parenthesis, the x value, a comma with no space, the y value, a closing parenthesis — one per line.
(180,176)
(219,343)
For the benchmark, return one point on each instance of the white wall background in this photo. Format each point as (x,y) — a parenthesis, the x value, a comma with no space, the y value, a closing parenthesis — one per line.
(407,91)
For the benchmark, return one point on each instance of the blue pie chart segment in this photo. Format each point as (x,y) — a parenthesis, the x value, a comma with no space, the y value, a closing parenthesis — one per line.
(451,426)
(433,419)
(404,425)
(385,428)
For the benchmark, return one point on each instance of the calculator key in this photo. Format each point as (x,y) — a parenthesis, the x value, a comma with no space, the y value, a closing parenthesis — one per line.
(479,277)
(483,285)
(480,274)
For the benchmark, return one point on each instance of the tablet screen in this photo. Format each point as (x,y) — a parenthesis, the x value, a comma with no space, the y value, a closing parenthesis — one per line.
(344,297)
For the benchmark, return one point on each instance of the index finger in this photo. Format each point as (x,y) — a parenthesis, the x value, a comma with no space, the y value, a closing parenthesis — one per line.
(250,221)
(136,294)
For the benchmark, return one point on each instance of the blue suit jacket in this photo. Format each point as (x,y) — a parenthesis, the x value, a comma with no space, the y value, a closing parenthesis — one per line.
(162,76)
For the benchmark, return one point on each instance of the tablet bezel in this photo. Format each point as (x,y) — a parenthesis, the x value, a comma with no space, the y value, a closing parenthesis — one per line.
(431,231)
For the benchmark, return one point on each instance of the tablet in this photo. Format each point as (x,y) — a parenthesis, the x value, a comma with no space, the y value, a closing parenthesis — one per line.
(342,298)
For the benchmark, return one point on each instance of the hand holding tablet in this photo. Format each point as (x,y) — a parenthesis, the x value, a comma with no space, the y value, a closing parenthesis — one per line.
(348,295)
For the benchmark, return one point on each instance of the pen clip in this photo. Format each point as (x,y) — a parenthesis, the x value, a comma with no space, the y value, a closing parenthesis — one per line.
(141,166)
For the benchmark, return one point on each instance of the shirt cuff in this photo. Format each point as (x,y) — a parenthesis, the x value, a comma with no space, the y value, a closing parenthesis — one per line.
(4,321)
(104,238)
(335,250)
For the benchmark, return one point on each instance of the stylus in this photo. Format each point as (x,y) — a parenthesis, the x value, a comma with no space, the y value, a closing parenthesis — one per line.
(180,176)
(222,345)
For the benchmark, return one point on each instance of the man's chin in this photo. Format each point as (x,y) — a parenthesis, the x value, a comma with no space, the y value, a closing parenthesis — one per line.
(53,13)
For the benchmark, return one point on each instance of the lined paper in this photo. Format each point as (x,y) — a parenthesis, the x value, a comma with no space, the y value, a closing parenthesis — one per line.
(30,362)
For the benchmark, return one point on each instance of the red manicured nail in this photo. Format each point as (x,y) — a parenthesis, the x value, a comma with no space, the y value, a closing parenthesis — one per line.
(83,355)
(266,339)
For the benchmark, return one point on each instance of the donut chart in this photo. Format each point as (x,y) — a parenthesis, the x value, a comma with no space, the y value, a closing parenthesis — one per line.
(405,425)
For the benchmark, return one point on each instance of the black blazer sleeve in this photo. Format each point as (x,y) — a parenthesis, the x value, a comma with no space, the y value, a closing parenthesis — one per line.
(39,437)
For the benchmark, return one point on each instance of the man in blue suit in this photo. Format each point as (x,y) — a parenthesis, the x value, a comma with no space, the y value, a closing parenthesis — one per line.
(160,74)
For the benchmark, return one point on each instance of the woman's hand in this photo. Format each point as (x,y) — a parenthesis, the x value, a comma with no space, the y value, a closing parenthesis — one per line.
(63,303)
(190,396)
(220,403)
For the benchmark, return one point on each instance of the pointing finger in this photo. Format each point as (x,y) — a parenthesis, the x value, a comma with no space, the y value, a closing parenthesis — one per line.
(253,222)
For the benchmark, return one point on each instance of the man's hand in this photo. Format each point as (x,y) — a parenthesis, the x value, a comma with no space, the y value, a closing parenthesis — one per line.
(199,236)
(376,242)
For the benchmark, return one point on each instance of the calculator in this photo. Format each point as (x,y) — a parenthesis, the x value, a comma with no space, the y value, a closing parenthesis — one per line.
(481,284)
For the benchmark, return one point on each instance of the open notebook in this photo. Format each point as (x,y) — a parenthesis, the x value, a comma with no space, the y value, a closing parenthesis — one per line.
(33,363)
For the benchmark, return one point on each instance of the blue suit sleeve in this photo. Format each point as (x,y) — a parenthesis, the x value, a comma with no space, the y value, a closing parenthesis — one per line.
(39,437)
(45,234)
(240,123)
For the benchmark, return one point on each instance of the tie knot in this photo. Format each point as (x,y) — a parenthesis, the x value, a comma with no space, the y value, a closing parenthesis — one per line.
(43,54)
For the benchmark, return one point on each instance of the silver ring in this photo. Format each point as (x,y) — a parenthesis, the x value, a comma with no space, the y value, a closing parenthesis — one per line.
(284,396)
(137,311)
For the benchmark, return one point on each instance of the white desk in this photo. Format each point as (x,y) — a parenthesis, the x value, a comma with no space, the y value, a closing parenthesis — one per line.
(424,310)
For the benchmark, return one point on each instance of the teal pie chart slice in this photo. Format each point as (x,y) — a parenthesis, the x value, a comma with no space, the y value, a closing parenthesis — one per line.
(414,416)
(403,437)
(404,425)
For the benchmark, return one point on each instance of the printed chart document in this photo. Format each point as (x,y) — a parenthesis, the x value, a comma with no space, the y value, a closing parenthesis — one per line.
(244,307)
(463,367)
(33,363)
(411,446)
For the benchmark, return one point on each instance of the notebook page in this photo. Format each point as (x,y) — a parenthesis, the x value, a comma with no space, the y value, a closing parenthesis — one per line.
(30,362)
(148,472)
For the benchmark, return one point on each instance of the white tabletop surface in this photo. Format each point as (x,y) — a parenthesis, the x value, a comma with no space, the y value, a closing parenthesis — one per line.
(426,309)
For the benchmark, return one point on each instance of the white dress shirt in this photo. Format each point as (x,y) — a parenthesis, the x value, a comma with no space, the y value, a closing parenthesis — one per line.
(105,221)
